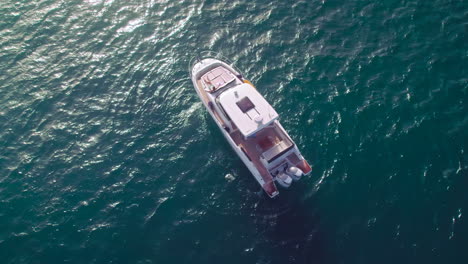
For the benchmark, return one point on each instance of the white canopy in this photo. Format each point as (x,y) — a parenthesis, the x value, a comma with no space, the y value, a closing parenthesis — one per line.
(247,108)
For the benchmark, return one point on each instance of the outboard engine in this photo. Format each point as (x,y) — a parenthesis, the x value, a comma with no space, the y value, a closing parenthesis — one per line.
(283,179)
(295,173)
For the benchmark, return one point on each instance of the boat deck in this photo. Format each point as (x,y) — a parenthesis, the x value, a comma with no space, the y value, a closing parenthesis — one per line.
(255,147)
(301,164)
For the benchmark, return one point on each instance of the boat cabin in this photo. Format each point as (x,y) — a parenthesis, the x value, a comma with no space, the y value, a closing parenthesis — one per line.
(247,109)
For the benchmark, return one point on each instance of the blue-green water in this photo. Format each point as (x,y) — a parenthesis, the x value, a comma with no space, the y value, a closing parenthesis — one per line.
(108,156)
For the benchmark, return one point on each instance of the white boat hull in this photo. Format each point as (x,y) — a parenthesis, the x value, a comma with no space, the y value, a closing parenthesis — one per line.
(265,148)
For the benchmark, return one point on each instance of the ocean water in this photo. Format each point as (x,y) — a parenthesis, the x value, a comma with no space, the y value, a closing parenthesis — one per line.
(108,156)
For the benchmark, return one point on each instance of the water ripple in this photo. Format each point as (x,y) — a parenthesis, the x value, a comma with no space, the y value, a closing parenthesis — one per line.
(107,154)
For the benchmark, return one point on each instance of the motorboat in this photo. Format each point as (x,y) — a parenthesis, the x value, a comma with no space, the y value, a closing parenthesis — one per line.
(249,123)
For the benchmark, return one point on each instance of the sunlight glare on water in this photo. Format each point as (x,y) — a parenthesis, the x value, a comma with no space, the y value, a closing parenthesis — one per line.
(108,156)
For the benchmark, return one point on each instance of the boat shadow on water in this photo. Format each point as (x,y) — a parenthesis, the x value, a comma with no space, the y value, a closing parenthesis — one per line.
(292,229)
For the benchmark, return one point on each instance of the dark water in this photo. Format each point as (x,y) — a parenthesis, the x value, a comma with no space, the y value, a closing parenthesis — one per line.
(108,156)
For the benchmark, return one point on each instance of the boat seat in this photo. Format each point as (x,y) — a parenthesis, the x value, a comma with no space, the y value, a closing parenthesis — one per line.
(217,79)
(276,150)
